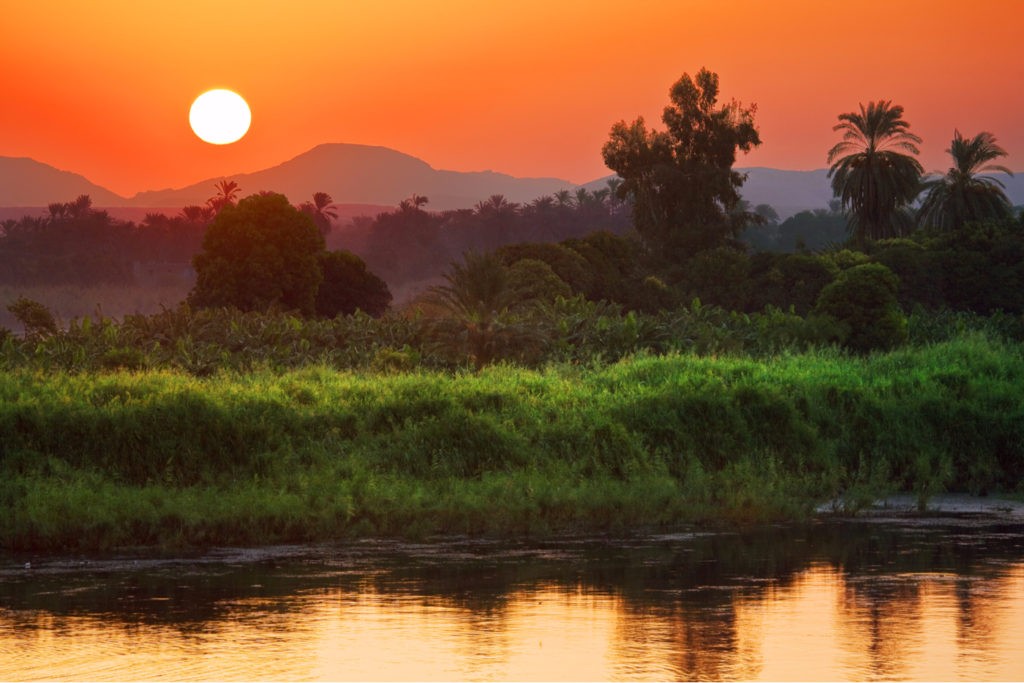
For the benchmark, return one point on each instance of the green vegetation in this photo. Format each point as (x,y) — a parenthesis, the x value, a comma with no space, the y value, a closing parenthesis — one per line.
(684,191)
(93,460)
(963,195)
(607,381)
(873,172)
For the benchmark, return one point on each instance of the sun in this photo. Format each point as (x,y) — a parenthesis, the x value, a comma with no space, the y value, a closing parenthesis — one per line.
(220,117)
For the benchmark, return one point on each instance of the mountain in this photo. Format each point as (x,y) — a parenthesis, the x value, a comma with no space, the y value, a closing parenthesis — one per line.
(25,182)
(362,174)
(378,177)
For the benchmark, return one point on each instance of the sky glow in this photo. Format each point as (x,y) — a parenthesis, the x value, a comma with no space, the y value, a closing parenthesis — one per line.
(529,88)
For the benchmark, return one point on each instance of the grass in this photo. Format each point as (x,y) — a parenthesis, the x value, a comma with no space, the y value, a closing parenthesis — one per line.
(94,460)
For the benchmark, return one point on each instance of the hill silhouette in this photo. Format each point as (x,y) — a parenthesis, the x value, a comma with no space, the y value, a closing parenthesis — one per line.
(363,174)
(381,177)
(26,182)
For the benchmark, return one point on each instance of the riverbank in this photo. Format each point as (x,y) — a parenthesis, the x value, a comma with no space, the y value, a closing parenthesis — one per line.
(163,459)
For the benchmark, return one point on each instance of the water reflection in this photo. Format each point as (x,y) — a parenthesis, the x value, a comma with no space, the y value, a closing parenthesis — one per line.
(830,601)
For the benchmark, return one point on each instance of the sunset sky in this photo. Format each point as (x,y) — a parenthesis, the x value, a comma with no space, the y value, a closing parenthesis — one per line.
(525,87)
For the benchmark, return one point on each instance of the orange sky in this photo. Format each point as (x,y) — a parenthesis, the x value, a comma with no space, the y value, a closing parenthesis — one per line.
(527,87)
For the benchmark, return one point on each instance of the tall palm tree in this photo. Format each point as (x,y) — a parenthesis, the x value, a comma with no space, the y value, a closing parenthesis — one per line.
(963,195)
(873,172)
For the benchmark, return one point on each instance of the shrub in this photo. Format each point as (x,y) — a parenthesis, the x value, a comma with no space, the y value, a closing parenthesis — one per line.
(36,318)
(348,286)
(862,302)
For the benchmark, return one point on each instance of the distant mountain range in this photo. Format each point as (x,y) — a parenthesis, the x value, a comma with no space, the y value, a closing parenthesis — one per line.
(378,176)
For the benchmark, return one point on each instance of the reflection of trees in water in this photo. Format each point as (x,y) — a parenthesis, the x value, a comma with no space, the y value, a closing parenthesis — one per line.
(882,620)
(678,594)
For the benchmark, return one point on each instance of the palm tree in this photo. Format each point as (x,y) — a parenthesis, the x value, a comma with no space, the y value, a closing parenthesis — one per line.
(963,195)
(321,210)
(872,171)
(81,207)
(227,192)
(415,202)
(496,205)
(477,295)
(196,214)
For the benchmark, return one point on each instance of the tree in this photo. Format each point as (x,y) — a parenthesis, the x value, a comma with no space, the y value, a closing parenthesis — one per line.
(261,253)
(321,210)
(963,195)
(227,193)
(681,182)
(478,295)
(872,171)
(415,202)
(348,286)
(862,306)
(196,214)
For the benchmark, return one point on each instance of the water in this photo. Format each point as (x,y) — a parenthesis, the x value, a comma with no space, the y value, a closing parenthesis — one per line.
(931,599)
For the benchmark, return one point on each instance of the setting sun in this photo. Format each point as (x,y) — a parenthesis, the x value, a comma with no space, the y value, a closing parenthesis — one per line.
(220,117)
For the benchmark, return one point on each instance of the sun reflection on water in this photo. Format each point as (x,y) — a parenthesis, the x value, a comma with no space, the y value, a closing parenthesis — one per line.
(820,624)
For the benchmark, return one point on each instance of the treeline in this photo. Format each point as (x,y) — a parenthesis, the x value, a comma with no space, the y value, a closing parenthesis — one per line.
(76,244)
(412,244)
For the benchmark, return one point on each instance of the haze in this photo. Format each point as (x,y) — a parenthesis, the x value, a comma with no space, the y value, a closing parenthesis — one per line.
(527,88)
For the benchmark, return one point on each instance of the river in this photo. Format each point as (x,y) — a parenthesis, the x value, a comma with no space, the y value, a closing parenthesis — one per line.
(928,598)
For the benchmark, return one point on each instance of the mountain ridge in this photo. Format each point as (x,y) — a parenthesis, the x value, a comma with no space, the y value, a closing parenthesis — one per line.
(374,175)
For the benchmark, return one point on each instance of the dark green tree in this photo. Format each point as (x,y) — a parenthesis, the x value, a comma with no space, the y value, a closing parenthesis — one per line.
(963,195)
(477,294)
(861,303)
(681,182)
(873,172)
(348,286)
(259,254)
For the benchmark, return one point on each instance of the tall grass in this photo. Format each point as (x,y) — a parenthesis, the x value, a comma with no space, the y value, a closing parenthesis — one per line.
(165,457)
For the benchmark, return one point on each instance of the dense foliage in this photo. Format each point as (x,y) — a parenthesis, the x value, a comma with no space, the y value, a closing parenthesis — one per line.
(93,460)
(963,195)
(75,244)
(348,286)
(874,170)
(261,253)
(683,189)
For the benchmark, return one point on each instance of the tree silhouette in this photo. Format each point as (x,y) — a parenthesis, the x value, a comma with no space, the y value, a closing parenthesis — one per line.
(321,210)
(681,181)
(197,214)
(963,194)
(415,202)
(873,172)
(227,193)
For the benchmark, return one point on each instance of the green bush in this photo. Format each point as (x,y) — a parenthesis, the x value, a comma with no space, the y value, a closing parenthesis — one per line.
(862,302)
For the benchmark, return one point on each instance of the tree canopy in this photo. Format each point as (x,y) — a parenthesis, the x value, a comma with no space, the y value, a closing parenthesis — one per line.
(963,195)
(873,172)
(684,190)
(348,286)
(261,253)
